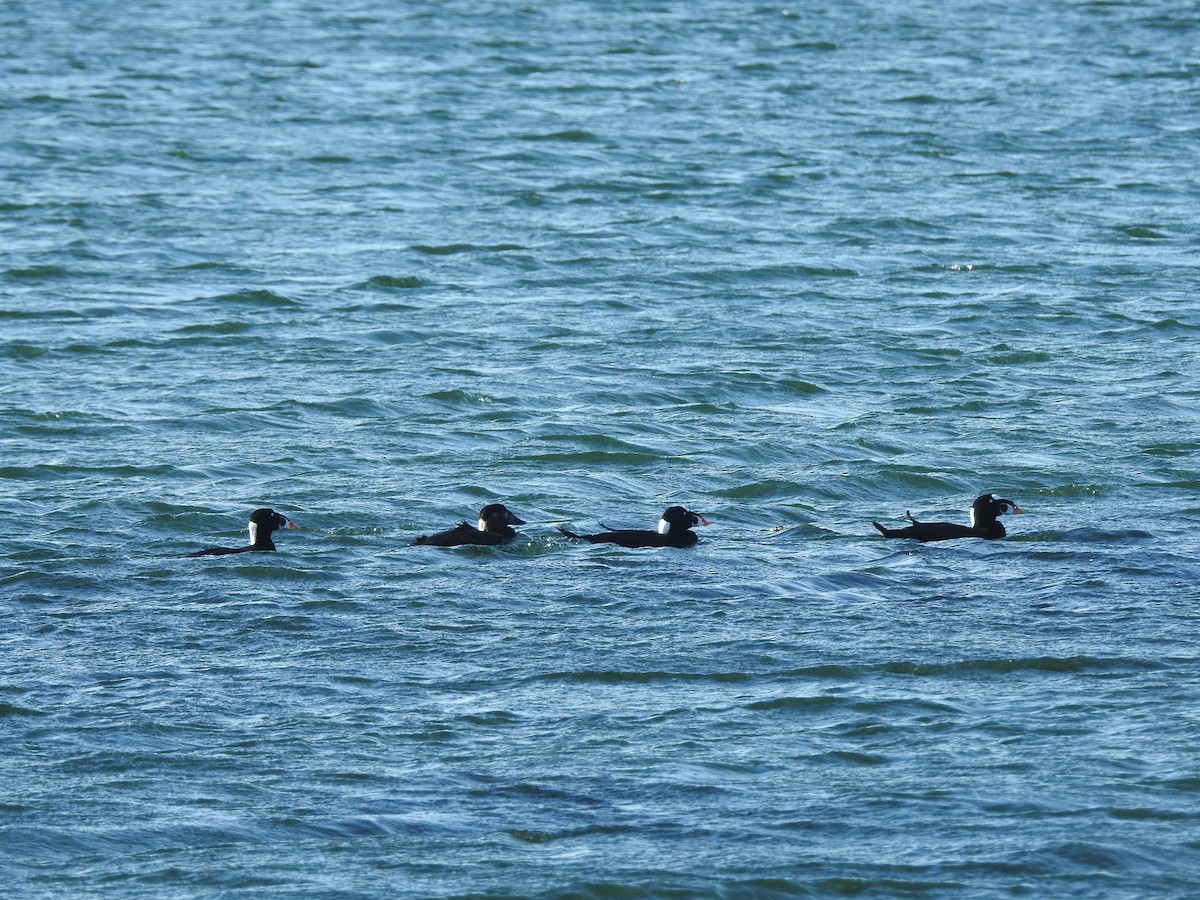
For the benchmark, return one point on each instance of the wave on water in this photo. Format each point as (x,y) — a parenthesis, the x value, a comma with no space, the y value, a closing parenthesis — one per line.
(250,299)
(393,282)
(452,249)
(39,272)
(969,668)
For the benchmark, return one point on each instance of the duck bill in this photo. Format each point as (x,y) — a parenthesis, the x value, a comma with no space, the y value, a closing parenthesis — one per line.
(1017,511)
(513,520)
(288,523)
(703,521)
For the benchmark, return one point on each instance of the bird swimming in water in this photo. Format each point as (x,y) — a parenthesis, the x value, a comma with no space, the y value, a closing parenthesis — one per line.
(674,530)
(263,523)
(495,527)
(985,513)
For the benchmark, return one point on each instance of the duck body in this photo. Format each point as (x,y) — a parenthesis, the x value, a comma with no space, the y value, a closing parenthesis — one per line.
(985,523)
(674,530)
(495,527)
(263,523)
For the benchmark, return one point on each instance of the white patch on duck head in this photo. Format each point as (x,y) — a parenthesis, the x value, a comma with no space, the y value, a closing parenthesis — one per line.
(991,497)
(254,532)
(482,524)
(664,527)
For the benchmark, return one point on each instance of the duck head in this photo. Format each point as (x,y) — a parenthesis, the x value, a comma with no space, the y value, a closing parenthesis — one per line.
(265,522)
(676,518)
(988,507)
(495,518)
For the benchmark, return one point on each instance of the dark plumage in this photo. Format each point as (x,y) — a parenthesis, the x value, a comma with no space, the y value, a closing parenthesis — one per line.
(674,530)
(985,512)
(263,523)
(495,527)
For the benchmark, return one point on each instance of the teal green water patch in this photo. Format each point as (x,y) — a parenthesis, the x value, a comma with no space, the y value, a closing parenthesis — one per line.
(453,249)
(23,351)
(1144,232)
(8,709)
(39,273)
(570,136)
(250,299)
(394,282)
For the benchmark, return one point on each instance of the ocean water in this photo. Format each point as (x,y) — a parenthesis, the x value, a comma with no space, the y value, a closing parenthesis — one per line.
(798,267)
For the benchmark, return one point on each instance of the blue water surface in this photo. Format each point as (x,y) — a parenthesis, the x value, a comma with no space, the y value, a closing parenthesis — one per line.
(377,265)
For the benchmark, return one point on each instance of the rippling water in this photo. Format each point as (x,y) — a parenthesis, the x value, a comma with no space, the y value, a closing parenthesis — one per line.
(378,264)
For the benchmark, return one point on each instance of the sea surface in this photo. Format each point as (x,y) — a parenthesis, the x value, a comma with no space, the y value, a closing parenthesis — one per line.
(797,266)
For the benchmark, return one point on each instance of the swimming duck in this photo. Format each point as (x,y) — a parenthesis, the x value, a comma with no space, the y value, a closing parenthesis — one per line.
(263,523)
(495,527)
(985,513)
(674,530)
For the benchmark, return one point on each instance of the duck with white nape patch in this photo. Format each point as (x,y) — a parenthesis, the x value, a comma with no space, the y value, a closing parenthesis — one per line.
(674,530)
(985,515)
(495,527)
(263,523)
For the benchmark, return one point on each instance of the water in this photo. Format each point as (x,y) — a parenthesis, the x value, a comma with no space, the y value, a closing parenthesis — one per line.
(380,264)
